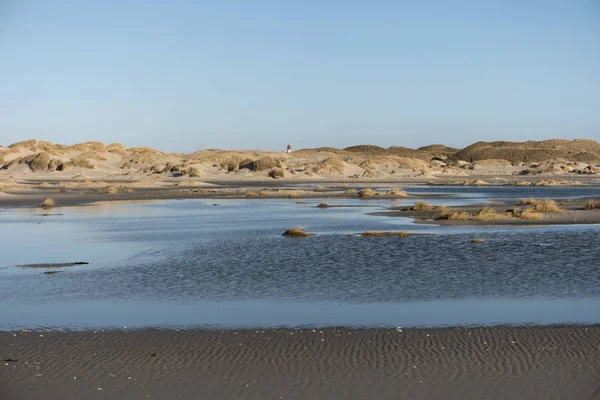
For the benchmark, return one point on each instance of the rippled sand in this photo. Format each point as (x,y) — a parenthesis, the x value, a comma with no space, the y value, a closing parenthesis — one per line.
(490,363)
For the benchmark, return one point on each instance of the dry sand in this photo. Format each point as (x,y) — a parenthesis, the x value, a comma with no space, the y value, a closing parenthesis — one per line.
(93,164)
(454,363)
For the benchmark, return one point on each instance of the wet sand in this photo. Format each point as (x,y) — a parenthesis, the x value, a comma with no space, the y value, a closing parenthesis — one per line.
(86,196)
(465,363)
(574,208)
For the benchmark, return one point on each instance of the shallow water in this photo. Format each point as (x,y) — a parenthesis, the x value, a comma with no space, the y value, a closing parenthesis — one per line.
(190,263)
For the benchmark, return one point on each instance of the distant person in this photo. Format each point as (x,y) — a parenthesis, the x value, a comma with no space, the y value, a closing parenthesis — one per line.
(289,148)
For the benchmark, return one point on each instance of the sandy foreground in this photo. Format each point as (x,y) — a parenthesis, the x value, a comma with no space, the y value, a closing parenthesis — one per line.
(560,362)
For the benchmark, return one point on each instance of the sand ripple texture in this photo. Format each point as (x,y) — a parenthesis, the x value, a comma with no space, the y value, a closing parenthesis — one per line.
(453,363)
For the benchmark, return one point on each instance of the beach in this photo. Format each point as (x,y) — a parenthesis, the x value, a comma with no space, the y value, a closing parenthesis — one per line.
(553,362)
(132,273)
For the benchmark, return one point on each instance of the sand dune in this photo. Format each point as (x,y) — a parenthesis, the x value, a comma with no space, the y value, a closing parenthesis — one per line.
(528,163)
(465,363)
(532,151)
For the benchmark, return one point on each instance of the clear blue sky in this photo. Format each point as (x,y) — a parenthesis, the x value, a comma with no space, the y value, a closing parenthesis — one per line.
(183,75)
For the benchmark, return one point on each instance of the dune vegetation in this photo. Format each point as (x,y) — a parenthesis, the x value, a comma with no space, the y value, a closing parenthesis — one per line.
(296,232)
(76,162)
(368,192)
(36,162)
(531,151)
(262,164)
(487,214)
(592,204)
(194,172)
(397,192)
(328,165)
(541,205)
(525,213)
(422,206)
(276,173)
(48,203)
(548,159)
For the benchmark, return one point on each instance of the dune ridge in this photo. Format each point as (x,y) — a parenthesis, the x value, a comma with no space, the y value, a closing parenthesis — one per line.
(551,158)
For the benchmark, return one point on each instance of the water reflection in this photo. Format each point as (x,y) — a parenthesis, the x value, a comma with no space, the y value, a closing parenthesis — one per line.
(188,262)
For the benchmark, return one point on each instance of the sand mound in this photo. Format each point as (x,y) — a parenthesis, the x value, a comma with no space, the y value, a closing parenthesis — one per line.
(23,144)
(194,172)
(320,150)
(262,164)
(88,146)
(368,164)
(36,162)
(328,165)
(439,150)
(75,163)
(50,148)
(229,161)
(532,151)
(369,151)
(117,148)
(364,148)
(145,155)
(276,173)
(23,148)
(91,155)
(409,153)
(411,163)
